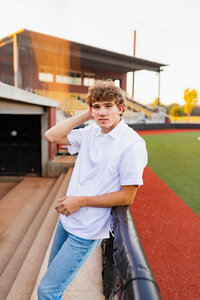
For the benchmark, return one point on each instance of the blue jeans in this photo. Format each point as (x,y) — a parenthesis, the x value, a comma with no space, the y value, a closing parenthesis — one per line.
(68,254)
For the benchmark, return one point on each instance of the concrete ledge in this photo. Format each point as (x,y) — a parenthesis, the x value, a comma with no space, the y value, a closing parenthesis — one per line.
(60,164)
(87,285)
(11,178)
(12,93)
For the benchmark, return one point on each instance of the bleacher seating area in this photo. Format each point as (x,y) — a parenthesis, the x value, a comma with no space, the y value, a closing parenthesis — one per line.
(70,103)
(73,103)
(134,106)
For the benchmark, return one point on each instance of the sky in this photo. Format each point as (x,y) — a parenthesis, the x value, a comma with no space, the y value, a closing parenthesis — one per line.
(167,32)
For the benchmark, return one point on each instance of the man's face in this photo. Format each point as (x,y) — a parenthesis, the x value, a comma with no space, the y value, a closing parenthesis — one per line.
(106,114)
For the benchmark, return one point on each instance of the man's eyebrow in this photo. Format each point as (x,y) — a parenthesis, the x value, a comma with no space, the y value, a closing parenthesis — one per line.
(104,103)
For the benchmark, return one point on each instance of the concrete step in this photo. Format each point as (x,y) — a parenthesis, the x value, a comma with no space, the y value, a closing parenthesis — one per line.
(10,272)
(6,187)
(24,283)
(12,203)
(14,232)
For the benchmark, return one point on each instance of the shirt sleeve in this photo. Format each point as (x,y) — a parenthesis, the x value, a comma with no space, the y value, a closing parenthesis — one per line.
(75,138)
(132,164)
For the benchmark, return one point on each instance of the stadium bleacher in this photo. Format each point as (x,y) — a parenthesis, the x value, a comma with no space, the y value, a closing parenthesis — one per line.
(70,103)
(73,103)
(132,105)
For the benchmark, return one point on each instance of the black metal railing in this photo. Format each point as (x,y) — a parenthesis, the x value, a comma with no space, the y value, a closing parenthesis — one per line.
(126,272)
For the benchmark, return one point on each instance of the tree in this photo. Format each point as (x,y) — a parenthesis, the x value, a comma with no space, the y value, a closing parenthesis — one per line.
(176,111)
(155,103)
(169,107)
(195,111)
(191,99)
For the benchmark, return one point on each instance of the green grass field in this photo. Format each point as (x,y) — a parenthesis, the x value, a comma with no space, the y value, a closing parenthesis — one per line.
(175,158)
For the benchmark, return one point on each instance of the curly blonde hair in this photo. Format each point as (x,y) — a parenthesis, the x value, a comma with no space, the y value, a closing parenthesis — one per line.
(105,90)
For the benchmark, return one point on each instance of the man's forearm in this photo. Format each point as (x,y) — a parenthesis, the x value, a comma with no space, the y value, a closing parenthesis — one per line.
(122,197)
(70,204)
(60,130)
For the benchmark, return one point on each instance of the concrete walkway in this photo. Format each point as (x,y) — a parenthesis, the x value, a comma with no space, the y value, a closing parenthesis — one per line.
(88,283)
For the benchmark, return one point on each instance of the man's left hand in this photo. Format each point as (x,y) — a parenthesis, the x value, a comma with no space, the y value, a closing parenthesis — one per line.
(68,205)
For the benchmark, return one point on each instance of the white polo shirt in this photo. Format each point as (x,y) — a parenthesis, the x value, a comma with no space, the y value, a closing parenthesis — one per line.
(105,162)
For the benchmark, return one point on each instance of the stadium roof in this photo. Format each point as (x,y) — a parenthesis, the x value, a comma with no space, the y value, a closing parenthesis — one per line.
(94,58)
(114,61)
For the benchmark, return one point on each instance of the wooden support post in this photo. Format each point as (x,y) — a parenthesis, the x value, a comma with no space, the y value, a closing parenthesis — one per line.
(15,61)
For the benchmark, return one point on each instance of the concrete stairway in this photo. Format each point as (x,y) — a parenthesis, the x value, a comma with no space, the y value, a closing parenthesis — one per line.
(28,219)
(12,203)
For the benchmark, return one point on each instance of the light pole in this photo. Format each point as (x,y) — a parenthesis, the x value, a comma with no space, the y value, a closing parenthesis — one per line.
(134,49)
(160,70)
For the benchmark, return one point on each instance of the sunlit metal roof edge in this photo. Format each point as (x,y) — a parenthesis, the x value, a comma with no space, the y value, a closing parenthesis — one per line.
(16,94)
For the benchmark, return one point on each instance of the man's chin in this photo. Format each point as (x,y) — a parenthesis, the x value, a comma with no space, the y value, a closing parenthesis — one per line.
(103,124)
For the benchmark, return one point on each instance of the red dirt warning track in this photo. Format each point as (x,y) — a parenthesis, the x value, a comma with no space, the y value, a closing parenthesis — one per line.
(170,234)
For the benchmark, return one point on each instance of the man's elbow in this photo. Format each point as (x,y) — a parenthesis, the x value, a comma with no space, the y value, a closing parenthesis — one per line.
(49,137)
(129,200)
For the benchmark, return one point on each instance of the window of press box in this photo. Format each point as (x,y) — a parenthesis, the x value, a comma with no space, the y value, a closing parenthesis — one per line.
(117,82)
(71,78)
(47,77)
(88,80)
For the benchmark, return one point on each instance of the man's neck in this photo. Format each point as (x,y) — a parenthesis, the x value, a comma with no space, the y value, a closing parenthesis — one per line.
(107,130)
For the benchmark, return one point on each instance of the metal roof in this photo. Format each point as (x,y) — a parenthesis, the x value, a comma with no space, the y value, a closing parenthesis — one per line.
(96,59)
(100,59)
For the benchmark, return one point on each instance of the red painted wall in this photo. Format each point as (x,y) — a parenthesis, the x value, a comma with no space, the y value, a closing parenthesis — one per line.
(123,81)
(52,122)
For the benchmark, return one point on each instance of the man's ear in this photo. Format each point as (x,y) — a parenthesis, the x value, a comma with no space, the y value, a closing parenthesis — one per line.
(91,111)
(121,109)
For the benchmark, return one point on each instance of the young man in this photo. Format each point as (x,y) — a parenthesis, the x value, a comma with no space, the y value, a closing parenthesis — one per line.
(107,173)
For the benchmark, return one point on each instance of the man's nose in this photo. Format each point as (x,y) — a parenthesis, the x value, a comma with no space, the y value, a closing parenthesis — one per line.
(102,111)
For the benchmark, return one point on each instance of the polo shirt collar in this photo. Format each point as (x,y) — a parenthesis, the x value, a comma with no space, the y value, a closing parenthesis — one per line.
(115,131)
